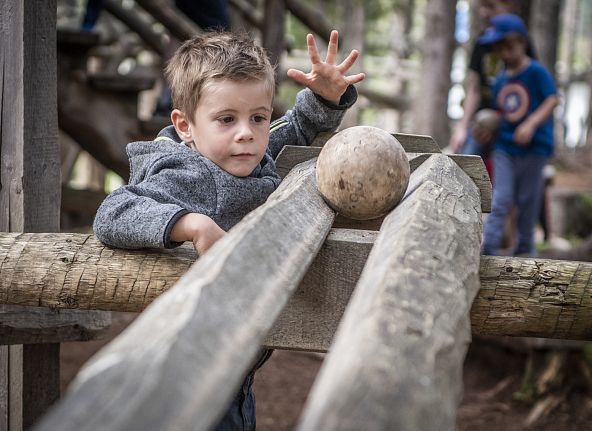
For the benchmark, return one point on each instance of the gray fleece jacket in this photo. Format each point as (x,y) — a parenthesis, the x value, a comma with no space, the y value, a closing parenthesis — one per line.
(168,179)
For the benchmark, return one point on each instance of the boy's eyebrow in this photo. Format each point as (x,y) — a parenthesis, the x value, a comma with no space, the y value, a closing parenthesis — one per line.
(260,108)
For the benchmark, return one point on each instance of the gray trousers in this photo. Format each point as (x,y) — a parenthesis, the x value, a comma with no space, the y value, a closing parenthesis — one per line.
(517,181)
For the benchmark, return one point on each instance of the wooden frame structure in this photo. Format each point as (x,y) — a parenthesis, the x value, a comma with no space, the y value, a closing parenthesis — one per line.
(281,278)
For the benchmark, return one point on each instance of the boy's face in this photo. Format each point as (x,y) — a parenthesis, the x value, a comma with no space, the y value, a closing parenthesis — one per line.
(511,50)
(231,124)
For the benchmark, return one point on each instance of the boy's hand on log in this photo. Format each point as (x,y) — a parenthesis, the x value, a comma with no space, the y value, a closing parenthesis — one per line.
(199,229)
(327,79)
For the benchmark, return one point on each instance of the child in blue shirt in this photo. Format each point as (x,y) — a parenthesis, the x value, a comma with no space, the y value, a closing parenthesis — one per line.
(525,94)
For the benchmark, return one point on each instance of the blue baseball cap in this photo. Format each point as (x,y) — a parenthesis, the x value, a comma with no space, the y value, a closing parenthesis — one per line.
(501,26)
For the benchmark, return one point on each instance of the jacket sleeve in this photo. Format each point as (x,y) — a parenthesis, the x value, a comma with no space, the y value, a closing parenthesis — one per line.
(311,115)
(142,214)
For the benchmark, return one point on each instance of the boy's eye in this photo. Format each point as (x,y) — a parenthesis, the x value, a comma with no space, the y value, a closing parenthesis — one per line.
(259,118)
(225,120)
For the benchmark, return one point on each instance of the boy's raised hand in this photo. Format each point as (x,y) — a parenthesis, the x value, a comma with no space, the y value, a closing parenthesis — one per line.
(327,79)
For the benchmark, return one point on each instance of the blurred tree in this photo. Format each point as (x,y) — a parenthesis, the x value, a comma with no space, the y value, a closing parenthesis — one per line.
(544,30)
(354,27)
(431,100)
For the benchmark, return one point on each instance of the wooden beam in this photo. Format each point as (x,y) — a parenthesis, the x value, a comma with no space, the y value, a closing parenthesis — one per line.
(134,22)
(29,181)
(411,143)
(534,297)
(311,18)
(249,13)
(396,359)
(209,325)
(175,21)
(29,202)
(518,296)
(42,325)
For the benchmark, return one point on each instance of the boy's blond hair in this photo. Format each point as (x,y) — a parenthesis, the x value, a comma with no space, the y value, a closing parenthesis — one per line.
(215,56)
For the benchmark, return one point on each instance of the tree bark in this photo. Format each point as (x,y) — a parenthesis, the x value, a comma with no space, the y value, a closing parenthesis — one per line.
(431,100)
(544,31)
(354,20)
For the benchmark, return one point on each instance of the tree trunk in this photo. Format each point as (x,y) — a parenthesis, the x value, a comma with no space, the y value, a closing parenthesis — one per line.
(273,30)
(431,101)
(544,31)
(354,21)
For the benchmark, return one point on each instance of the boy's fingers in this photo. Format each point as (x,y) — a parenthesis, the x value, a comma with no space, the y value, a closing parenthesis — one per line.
(349,61)
(313,52)
(333,47)
(297,75)
(354,79)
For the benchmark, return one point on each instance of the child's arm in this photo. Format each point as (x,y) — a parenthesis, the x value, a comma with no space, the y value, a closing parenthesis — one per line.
(321,109)
(199,229)
(169,194)
(327,79)
(525,131)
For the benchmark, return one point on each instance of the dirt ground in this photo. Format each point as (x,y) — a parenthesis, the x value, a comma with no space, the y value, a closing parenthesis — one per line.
(492,375)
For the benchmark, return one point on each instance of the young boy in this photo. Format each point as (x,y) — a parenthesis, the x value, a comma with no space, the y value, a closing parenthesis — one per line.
(215,164)
(525,94)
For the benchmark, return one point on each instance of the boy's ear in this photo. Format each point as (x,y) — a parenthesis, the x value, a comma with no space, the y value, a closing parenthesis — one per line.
(181,124)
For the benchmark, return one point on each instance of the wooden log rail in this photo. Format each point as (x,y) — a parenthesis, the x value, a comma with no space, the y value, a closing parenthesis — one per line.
(518,296)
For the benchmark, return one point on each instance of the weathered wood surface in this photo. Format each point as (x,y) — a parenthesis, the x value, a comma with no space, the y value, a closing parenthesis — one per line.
(473,166)
(28,325)
(29,186)
(535,298)
(311,317)
(78,272)
(396,360)
(411,143)
(209,325)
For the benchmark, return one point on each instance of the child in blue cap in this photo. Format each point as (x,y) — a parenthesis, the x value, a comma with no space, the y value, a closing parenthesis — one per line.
(525,94)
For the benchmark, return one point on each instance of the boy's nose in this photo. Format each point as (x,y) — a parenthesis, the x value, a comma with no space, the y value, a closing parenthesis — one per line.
(245,133)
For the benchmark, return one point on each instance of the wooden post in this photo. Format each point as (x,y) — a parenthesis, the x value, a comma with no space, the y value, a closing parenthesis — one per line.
(181,362)
(30,180)
(29,198)
(396,360)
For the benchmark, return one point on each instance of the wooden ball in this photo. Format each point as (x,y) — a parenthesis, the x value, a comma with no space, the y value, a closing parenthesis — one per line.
(362,172)
(488,119)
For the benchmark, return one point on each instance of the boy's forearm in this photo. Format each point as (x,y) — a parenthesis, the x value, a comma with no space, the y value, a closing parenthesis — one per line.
(472,100)
(543,112)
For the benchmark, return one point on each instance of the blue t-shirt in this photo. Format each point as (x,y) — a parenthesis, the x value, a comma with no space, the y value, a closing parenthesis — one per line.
(517,97)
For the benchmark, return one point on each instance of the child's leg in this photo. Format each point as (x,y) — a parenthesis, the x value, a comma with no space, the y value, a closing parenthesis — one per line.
(503,199)
(240,415)
(530,185)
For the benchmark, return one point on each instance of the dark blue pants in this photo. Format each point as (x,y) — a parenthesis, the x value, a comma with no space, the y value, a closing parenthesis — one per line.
(240,416)
(518,181)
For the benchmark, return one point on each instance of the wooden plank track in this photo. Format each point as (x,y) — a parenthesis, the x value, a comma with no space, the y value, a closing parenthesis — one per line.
(181,362)
(396,360)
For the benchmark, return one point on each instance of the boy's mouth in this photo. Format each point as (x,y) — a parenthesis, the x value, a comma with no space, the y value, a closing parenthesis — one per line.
(243,155)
